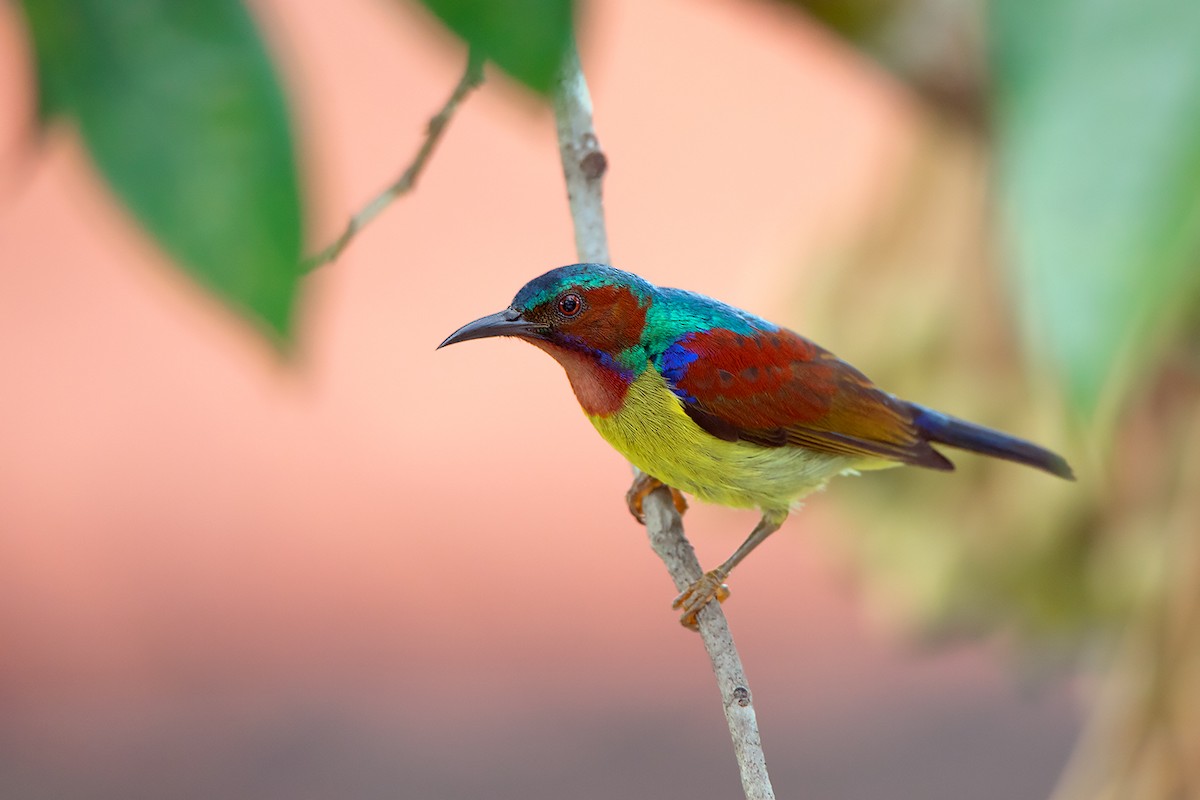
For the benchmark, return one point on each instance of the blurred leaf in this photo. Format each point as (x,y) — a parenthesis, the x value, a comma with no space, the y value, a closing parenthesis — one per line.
(1099,124)
(857,20)
(993,547)
(180,108)
(525,38)
(934,46)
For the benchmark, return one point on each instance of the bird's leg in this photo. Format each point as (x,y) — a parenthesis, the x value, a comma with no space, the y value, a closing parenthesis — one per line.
(711,585)
(642,486)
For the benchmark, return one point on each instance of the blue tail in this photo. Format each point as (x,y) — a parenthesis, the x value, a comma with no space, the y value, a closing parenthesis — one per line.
(941,428)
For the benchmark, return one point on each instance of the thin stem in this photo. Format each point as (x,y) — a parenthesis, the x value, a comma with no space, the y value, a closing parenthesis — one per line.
(584,165)
(472,77)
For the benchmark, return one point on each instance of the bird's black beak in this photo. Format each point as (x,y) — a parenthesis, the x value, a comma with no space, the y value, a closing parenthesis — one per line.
(504,323)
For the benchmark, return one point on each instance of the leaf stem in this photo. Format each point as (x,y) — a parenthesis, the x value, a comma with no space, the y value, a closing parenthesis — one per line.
(471,78)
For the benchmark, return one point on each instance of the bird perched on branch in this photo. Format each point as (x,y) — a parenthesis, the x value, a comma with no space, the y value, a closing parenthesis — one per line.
(710,400)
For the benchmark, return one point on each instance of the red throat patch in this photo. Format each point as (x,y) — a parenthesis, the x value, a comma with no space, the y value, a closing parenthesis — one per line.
(600,390)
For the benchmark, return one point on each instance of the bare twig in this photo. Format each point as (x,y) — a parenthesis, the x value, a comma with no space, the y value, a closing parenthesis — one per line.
(665,529)
(584,165)
(471,78)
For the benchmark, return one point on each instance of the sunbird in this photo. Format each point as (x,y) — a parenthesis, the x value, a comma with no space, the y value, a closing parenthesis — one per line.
(708,399)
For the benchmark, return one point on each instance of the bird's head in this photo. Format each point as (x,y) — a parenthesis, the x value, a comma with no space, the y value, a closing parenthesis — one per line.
(583,309)
(590,318)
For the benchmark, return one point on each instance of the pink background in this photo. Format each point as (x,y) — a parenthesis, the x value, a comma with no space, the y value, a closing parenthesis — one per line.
(388,571)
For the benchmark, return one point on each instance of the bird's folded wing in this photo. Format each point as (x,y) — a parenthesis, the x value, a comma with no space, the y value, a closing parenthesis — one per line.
(776,388)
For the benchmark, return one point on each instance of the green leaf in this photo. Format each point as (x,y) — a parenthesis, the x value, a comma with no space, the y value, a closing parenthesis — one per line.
(857,20)
(180,108)
(1098,105)
(526,38)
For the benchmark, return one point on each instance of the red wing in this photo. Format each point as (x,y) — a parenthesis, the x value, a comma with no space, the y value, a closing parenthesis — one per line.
(778,388)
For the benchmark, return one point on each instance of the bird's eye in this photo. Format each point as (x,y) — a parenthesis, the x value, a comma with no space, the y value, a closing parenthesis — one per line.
(569,305)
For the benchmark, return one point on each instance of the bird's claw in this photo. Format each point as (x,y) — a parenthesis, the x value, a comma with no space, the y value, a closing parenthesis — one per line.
(709,587)
(642,486)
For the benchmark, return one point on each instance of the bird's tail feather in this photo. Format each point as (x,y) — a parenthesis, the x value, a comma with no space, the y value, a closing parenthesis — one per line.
(941,428)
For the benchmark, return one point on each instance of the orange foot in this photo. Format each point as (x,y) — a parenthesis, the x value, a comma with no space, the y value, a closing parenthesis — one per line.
(711,586)
(642,486)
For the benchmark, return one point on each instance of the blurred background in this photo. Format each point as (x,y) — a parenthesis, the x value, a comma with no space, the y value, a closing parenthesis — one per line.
(367,569)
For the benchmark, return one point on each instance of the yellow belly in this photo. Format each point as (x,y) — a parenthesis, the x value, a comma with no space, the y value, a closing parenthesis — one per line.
(652,430)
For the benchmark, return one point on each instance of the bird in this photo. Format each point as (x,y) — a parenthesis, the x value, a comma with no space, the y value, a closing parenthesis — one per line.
(712,401)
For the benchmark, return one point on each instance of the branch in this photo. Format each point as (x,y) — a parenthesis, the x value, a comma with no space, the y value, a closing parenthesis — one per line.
(471,78)
(584,165)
